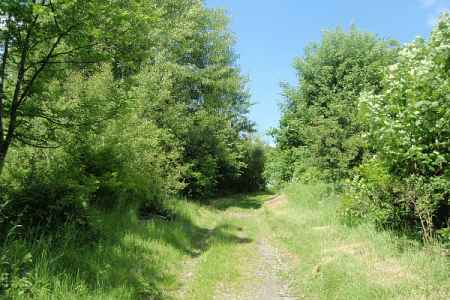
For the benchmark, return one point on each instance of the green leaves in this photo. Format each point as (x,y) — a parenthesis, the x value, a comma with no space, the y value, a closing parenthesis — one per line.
(407,119)
(134,101)
(321,114)
(409,131)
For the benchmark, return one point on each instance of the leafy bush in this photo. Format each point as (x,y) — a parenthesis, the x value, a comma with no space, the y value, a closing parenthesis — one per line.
(408,204)
(408,183)
(15,263)
(50,193)
(444,236)
(280,166)
(373,194)
(409,125)
(250,177)
(101,163)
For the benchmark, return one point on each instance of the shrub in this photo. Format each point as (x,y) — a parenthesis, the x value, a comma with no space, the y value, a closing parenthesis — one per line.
(15,263)
(373,194)
(408,121)
(409,131)
(50,193)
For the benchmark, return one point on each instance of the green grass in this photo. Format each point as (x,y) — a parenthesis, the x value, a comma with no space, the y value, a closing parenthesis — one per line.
(128,259)
(334,261)
(231,247)
(134,259)
(211,250)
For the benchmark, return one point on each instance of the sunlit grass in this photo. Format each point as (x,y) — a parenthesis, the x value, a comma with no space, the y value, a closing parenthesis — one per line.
(231,242)
(127,258)
(208,251)
(340,262)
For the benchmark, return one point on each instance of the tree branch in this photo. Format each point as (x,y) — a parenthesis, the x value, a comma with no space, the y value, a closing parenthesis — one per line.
(44,64)
(48,59)
(32,142)
(52,120)
(2,86)
(55,20)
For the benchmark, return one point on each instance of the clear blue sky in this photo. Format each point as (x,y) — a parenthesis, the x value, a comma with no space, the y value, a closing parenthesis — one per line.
(271,33)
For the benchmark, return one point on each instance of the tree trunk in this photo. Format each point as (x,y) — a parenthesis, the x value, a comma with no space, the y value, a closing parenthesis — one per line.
(2,160)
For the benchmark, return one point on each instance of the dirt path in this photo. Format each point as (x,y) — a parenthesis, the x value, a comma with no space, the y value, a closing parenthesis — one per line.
(276,201)
(257,251)
(264,270)
(271,286)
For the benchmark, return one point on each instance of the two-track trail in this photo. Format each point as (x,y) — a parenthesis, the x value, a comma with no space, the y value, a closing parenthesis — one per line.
(253,268)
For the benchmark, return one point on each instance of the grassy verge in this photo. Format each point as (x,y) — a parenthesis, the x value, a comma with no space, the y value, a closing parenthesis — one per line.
(189,258)
(127,259)
(340,262)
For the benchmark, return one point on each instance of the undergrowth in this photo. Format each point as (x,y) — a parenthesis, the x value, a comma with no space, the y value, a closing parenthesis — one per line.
(121,257)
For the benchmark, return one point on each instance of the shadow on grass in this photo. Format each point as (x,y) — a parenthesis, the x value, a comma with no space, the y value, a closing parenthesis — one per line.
(245,201)
(194,240)
(135,256)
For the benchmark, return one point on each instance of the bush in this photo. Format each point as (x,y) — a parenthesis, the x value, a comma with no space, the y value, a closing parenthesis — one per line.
(408,121)
(409,131)
(281,166)
(250,177)
(405,204)
(126,162)
(372,194)
(51,192)
(15,264)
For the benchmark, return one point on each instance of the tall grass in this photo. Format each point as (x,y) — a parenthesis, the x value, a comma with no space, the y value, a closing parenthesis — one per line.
(123,257)
(341,262)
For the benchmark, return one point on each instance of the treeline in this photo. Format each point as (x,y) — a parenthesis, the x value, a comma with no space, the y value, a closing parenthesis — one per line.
(372,117)
(107,104)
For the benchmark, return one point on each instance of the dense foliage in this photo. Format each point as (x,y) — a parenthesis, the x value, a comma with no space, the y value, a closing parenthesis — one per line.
(407,182)
(376,117)
(117,108)
(116,104)
(320,133)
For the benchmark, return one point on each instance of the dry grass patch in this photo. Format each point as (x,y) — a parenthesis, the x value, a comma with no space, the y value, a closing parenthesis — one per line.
(390,272)
(276,202)
(323,228)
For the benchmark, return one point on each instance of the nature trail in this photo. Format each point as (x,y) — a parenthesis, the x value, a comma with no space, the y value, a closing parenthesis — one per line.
(265,269)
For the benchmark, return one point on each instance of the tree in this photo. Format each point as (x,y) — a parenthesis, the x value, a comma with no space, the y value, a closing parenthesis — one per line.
(49,39)
(320,123)
(36,38)
(195,90)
